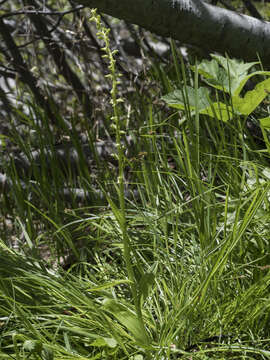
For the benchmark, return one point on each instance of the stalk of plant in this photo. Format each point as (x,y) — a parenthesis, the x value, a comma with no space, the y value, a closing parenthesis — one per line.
(102,34)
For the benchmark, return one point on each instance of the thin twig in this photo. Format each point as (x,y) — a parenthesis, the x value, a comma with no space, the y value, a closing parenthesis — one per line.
(42,12)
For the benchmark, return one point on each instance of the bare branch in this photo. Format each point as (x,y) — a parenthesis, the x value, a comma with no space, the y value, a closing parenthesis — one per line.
(22,69)
(60,60)
(26,11)
(196,23)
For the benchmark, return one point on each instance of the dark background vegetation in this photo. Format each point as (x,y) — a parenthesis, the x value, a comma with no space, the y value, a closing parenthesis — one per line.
(53,77)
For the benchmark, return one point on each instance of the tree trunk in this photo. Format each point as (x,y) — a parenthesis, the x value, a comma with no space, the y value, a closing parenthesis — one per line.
(195,22)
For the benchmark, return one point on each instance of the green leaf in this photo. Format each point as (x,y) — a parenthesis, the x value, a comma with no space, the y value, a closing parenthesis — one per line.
(265,125)
(109,285)
(226,74)
(219,111)
(127,318)
(216,110)
(252,98)
(176,99)
(116,212)
(213,74)
(145,285)
(236,68)
(244,79)
(27,238)
(47,353)
(265,122)
(104,342)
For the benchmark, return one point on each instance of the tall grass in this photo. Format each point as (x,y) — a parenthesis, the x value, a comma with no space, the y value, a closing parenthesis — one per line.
(173,263)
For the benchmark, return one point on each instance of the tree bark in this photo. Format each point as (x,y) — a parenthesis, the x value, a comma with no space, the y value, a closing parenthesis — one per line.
(196,23)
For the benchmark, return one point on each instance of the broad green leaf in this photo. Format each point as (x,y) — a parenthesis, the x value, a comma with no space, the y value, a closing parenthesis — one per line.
(236,68)
(216,110)
(127,318)
(244,79)
(213,74)
(226,77)
(176,98)
(226,74)
(265,125)
(219,110)
(252,98)
(209,69)
(265,122)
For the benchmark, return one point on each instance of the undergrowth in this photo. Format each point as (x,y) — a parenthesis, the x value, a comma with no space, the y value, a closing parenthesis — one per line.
(158,249)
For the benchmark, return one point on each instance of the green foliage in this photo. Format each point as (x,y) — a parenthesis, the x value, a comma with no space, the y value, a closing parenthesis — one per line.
(229,76)
(193,228)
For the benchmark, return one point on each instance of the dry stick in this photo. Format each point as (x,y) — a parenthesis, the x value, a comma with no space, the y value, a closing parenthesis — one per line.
(24,12)
(23,71)
(60,60)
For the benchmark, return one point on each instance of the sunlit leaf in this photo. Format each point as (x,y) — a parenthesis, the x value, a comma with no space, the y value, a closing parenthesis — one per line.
(265,122)
(127,318)
(245,105)
(109,285)
(176,99)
